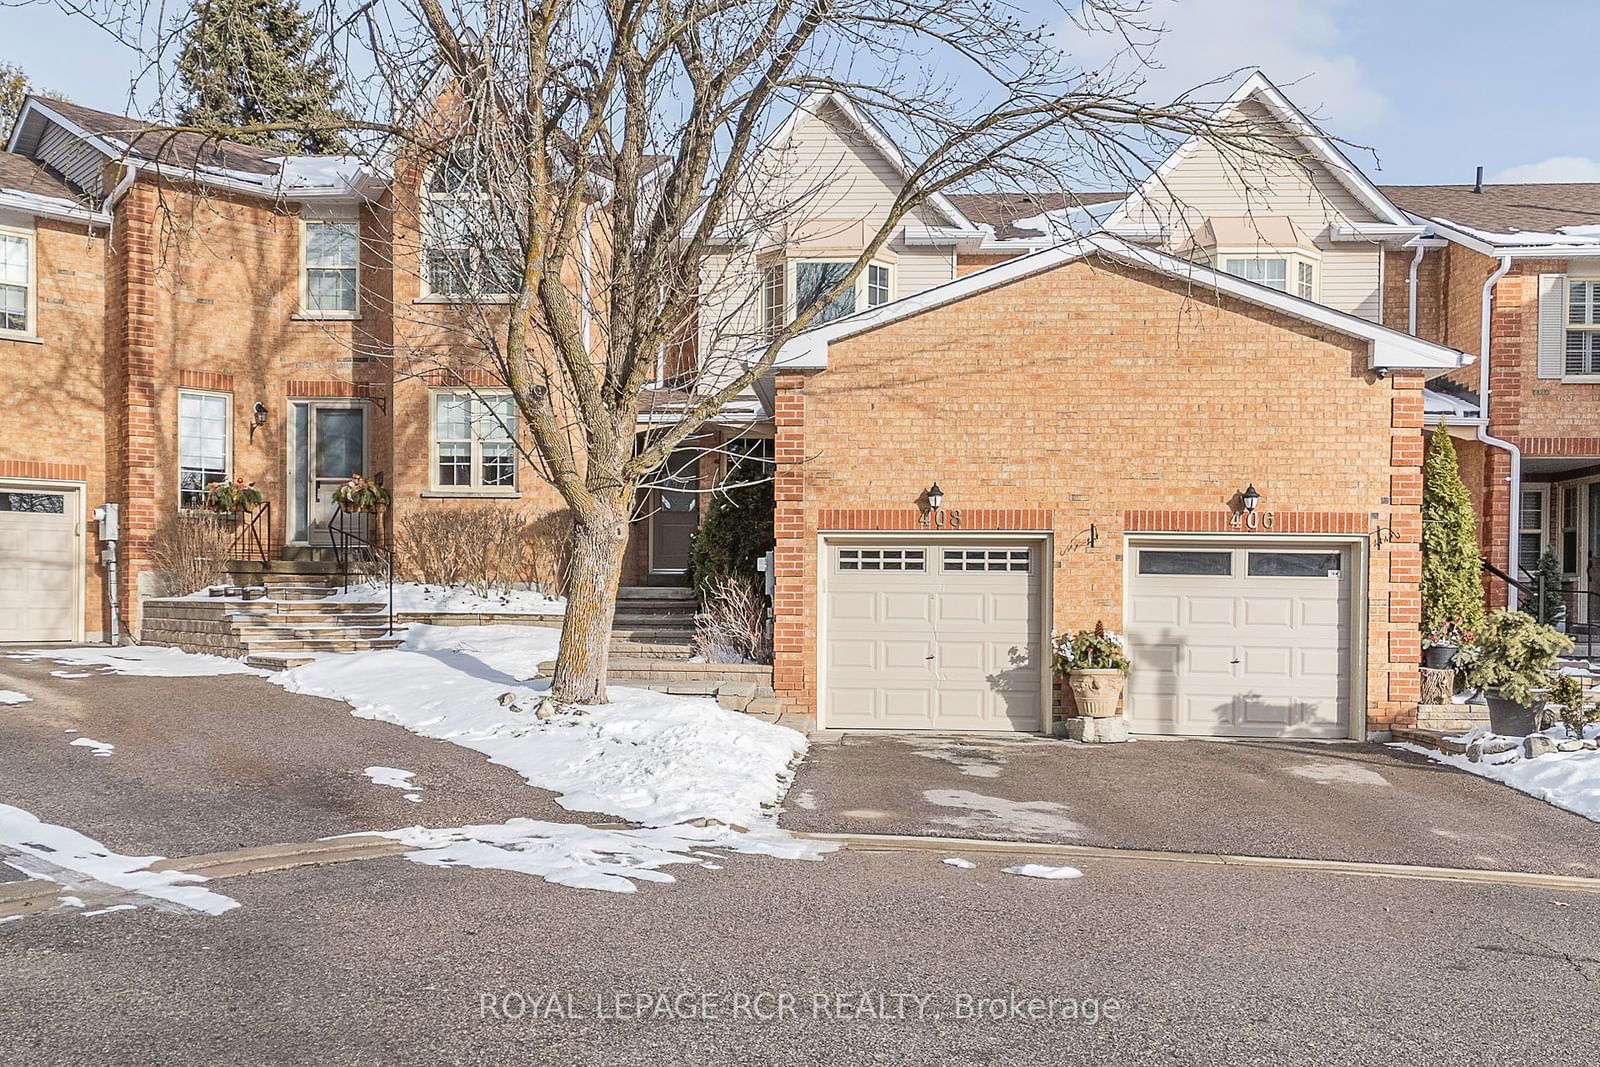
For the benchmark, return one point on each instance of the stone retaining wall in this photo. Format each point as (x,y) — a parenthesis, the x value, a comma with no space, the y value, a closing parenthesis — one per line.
(193,626)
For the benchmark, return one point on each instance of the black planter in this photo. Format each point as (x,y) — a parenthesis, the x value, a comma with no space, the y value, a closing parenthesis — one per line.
(1439,657)
(1510,718)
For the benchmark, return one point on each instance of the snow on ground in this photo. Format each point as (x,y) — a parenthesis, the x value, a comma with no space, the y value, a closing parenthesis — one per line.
(1568,780)
(147,661)
(396,779)
(1017,818)
(965,865)
(101,748)
(59,854)
(417,597)
(1039,870)
(69,674)
(692,774)
(11,696)
(1340,773)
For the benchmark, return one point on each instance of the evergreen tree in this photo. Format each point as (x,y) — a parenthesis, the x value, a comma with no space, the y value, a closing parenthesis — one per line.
(737,529)
(1547,604)
(246,62)
(1452,588)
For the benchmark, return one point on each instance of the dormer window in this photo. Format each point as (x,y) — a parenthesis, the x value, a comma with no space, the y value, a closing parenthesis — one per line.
(1287,274)
(809,279)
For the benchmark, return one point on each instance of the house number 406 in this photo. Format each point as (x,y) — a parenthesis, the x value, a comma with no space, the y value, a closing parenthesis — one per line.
(941,519)
(1252,520)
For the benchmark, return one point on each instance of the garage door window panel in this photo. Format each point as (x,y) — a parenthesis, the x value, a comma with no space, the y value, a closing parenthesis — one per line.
(1186,563)
(988,559)
(1293,565)
(883,559)
(34,503)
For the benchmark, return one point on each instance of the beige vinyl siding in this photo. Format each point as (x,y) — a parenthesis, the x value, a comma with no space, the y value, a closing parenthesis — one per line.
(1205,185)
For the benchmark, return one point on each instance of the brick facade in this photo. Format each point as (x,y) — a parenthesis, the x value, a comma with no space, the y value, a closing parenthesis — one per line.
(1093,395)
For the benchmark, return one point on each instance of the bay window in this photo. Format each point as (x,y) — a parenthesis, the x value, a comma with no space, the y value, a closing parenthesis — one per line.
(474,441)
(1286,273)
(809,280)
(203,439)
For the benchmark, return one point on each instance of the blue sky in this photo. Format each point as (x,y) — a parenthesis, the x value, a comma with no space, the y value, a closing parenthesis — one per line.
(1435,87)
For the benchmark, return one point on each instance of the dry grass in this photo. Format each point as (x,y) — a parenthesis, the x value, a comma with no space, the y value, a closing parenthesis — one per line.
(731,626)
(190,552)
(485,547)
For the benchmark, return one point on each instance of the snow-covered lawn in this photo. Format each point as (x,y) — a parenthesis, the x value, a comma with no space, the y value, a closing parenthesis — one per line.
(59,854)
(455,599)
(1568,780)
(148,661)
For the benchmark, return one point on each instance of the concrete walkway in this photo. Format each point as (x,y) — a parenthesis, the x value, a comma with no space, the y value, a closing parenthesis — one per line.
(1354,802)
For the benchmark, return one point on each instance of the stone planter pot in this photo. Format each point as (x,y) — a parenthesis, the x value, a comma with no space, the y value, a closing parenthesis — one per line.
(1096,692)
(1439,657)
(1511,719)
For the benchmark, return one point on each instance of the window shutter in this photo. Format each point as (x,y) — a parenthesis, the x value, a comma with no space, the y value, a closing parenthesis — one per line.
(1552,325)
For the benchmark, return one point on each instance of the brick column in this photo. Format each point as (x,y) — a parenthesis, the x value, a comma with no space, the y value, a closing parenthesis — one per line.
(134,453)
(794,659)
(1395,645)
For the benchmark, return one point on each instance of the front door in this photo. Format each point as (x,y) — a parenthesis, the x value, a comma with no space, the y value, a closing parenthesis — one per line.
(674,512)
(330,444)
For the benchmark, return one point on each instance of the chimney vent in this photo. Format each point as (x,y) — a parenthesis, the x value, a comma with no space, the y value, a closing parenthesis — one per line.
(1477,185)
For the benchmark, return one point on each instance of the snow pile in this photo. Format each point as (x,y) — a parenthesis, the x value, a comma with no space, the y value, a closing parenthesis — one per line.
(57,854)
(396,779)
(1039,870)
(454,599)
(1569,780)
(956,861)
(145,661)
(11,696)
(101,748)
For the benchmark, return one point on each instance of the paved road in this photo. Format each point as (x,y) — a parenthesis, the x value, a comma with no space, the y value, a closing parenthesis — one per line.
(385,962)
(206,764)
(1277,798)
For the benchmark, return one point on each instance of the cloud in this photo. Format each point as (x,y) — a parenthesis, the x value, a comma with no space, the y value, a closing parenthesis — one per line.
(1296,43)
(1554,169)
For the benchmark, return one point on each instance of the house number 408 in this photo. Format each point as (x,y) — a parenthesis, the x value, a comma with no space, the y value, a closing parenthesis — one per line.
(1253,520)
(941,519)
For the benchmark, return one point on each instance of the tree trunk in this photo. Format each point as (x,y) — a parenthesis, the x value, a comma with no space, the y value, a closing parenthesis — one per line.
(598,542)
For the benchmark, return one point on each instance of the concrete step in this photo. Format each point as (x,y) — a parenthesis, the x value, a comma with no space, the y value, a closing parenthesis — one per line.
(282,566)
(278,661)
(651,649)
(655,592)
(321,644)
(310,608)
(254,635)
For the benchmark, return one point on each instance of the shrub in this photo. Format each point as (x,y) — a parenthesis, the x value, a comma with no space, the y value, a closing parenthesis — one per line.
(1519,656)
(1452,587)
(547,551)
(731,626)
(190,552)
(1576,712)
(736,531)
(480,546)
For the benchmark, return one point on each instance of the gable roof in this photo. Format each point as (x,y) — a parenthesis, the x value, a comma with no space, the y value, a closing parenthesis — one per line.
(1259,87)
(1389,349)
(29,187)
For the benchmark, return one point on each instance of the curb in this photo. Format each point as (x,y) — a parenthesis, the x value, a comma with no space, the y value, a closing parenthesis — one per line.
(912,843)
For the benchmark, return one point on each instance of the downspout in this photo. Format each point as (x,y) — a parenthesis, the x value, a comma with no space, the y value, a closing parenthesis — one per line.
(1512,511)
(1411,298)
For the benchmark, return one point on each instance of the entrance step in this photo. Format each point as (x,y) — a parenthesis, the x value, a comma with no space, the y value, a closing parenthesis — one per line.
(655,592)
(736,686)
(279,661)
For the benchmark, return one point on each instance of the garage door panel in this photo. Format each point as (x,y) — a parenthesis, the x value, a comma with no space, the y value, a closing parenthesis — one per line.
(40,568)
(1281,667)
(956,645)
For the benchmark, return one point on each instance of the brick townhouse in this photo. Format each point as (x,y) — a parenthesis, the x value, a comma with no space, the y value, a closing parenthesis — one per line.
(1090,409)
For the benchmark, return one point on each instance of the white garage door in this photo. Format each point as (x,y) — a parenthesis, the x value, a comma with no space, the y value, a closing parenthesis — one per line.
(38,564)
(1242,642)
(920,635)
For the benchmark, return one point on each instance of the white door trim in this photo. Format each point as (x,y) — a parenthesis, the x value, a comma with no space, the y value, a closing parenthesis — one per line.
(1044,539)
(1360,564)
(80,527)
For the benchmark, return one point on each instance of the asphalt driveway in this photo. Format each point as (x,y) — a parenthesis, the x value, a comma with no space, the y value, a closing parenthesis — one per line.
(215,763)
(1343,801)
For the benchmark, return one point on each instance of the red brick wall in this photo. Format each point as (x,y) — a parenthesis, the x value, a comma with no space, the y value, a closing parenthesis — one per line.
(52,415)
(1097,395)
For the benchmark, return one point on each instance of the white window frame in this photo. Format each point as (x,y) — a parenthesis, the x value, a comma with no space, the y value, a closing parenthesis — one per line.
(475,485)
(30,299)
(227,441)
(1542,530)
(1293,262)
(772,320)
(427,198)
(1591,372)
(306,310)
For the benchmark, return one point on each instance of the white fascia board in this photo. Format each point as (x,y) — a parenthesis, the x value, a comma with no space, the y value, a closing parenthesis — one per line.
(1388,349)
(51,207)
(1377,233)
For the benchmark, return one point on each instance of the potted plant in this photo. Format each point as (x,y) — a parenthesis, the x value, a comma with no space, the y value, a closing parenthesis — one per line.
(1441,643)
(361,494)
(1095,663)
(233,496)
(1519,657)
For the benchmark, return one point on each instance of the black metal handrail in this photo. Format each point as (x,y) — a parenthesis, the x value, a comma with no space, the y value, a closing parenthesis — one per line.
(342,537)
(248,532)
(1532,585)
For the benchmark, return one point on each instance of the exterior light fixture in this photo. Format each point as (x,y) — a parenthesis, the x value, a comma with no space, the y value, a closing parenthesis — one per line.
(935,497)
(1250,498)
(259,414)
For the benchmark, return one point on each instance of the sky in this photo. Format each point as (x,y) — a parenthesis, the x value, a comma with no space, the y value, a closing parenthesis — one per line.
(1434,88)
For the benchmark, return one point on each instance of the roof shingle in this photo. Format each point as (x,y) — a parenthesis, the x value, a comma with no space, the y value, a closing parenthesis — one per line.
(1003,210)
(1533,207)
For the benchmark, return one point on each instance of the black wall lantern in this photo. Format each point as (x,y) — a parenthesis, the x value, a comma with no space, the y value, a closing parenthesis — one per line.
(1250,498)
(935,497)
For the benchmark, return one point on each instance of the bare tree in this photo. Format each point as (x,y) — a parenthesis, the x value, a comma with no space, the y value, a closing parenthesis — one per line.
(586,182)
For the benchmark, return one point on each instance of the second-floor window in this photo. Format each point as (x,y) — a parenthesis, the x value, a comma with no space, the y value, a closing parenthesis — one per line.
(16,281)
(202,445)
(1283,273)
(809,280)
(467,249)
(1583,326)
(474,441)
(332,254)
